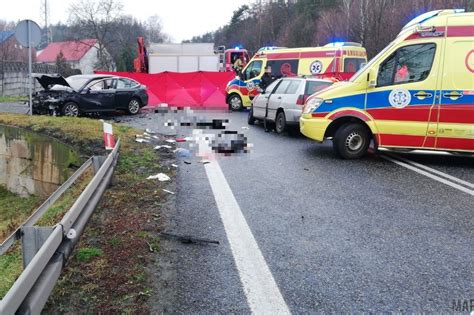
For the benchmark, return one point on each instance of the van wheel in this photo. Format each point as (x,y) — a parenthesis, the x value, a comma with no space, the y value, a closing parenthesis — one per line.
(70,109)
(251,119)
(280,123)
(351,141)
(235,102)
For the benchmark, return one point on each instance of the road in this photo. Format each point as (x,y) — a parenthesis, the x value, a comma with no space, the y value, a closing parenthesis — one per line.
(329,234)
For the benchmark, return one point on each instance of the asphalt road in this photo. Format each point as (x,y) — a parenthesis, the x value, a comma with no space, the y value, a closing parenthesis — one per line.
(350,236)
(367,235)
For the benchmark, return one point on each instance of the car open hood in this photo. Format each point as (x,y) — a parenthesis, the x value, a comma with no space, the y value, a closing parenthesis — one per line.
(48,81)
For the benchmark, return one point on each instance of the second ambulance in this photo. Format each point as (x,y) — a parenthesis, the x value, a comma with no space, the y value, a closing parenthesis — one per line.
(417,93)
(331,60)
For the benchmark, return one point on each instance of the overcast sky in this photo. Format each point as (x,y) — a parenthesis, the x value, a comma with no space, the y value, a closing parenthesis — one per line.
(181,19)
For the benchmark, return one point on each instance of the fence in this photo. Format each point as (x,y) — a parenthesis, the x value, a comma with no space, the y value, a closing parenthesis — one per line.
(46,249)
(14,77)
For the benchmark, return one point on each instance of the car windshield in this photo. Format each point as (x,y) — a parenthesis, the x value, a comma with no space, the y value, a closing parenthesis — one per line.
(77,82)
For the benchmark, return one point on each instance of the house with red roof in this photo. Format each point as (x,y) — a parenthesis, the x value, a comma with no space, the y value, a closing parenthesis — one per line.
(11,49)
(82,55)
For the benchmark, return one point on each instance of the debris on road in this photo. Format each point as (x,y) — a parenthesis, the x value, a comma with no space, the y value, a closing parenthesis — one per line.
(187,162)
(174,165)
(150,248)
(163,146)
(183,153)
(141,140)
(169,192)
(161,177)
(188,239)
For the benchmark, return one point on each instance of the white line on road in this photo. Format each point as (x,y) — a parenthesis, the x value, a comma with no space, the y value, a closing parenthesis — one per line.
(261,290)
(432,170)
(432,176)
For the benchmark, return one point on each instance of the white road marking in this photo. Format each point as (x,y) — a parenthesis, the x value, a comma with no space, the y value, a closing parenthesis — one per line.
(432,170)
(261,290)
(432,176)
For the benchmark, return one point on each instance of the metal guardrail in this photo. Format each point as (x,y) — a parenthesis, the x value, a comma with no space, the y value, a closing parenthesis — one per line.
(31,290)
(44,207)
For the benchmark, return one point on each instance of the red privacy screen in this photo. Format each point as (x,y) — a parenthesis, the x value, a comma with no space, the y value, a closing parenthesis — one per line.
(192,89)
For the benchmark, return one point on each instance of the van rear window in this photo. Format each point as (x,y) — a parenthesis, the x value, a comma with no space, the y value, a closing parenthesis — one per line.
(315,86)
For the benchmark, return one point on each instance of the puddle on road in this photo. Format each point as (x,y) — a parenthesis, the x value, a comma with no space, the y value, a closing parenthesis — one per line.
(33,164)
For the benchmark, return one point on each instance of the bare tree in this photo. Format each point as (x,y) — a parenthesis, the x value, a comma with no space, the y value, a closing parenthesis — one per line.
(95,19)
(154,30)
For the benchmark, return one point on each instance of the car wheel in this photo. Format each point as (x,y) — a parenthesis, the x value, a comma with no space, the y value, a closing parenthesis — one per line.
(235,102)
(251,119)
(280,123)
(133,106)
(70,109)
(351,141)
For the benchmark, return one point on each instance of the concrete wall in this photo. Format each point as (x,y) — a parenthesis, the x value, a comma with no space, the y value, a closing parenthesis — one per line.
(14,77)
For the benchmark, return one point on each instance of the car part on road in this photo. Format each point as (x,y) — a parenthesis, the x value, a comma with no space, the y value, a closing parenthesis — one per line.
(351,141)
(70,109)
(188,239)
(235,102)
(280,124)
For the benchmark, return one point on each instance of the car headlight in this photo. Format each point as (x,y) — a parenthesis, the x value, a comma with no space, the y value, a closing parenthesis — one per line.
(312,105)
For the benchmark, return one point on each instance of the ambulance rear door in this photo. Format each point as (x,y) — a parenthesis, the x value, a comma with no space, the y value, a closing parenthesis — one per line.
(456,94)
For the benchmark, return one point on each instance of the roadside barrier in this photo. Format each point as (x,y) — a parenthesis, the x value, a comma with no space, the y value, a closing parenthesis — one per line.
(43,263)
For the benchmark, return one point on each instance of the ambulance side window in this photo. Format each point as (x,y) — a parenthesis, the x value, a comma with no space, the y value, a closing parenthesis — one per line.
(408,64)
(253,69)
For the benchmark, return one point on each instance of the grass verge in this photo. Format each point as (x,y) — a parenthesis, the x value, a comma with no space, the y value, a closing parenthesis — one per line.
(13,99)
(14,210)
(108,273)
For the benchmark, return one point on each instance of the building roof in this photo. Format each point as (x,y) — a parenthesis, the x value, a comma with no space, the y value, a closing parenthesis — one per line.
(72,50)
(4,35)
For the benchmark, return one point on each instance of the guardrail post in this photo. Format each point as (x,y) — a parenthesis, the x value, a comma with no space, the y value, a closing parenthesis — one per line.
(32,239)
(97,162)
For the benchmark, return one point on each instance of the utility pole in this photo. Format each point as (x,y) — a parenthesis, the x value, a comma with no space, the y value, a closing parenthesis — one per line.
(47,36)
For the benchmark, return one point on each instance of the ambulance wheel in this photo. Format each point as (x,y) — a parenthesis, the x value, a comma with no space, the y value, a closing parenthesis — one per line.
(251,119)
(235,102)
(351,141)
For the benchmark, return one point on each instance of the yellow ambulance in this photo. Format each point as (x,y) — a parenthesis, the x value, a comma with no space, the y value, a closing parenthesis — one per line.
(340,57)
(417,93)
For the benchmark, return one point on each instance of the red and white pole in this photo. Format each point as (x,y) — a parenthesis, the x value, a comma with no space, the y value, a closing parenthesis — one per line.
(108,136)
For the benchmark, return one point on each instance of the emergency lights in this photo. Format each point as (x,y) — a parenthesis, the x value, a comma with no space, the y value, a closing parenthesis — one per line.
(336,44)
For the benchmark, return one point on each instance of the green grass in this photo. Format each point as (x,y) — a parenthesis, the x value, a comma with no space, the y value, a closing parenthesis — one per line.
(12,262)
(13,99)
(95,258)
(14,210)
(86,254)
